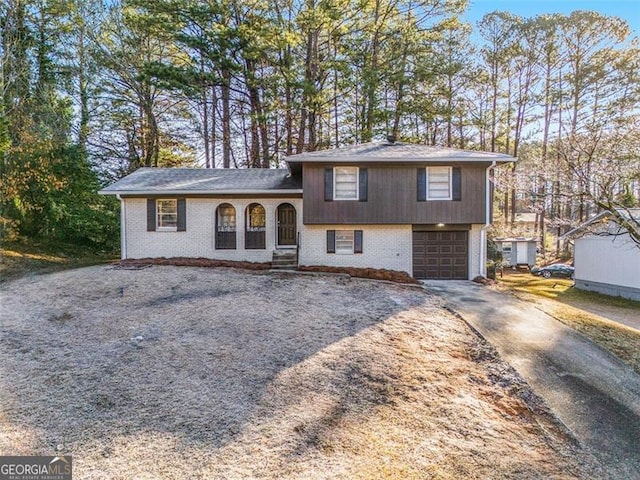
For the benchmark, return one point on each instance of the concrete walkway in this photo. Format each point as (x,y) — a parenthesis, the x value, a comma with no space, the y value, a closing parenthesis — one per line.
(590,391)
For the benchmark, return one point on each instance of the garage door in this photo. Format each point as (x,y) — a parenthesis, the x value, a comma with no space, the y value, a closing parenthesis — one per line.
(440,255)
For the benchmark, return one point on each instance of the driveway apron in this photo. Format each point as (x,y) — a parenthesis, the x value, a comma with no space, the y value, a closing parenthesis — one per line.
(590,390)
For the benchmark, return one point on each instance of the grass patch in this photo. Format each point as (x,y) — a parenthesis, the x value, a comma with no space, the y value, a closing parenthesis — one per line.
(561,289)
(558,298)
(23,257)
(622,341)
(577,295)
(525,283)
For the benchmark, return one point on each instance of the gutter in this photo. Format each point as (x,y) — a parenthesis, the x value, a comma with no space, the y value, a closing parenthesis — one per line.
(123,228)
(199,192)
(584,225)
(487,221)
(353,160)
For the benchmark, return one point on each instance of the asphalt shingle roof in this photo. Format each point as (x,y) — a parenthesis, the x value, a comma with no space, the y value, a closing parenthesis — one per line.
(255,180)
(384,151)
(204,180)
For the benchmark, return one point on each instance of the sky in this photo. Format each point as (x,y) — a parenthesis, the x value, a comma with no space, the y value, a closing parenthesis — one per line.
(629,10)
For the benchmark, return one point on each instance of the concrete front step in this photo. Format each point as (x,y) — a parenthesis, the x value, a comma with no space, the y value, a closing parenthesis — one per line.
(284,267)
(284,259)
(283,254)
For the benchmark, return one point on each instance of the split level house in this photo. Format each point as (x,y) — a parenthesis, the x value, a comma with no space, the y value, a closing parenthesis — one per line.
(414,208)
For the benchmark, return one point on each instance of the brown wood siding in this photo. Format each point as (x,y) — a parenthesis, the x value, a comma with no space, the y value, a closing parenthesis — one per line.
(392,198)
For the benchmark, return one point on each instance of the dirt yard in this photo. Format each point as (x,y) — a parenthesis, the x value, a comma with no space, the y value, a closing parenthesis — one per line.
(181,373)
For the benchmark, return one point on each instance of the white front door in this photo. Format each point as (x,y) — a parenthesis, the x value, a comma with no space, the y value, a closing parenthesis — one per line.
(521,253)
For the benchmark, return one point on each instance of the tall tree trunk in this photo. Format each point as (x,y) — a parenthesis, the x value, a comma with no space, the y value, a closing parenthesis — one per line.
(371,88)
(214,125)
(226,118)
(205,127)
(301,130)
(494,104)
(254,155)
(449,111)
(83,128)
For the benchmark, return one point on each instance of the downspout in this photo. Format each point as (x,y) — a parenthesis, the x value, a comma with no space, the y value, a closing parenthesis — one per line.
(123,228)
(487,221)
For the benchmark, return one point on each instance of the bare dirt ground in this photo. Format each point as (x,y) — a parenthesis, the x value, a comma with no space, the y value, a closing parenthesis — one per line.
(181,372)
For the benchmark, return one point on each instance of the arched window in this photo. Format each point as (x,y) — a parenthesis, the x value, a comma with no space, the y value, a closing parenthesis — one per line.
(226,227)
(255,226)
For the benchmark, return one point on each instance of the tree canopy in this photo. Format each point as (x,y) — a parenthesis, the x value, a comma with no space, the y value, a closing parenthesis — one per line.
(92,90)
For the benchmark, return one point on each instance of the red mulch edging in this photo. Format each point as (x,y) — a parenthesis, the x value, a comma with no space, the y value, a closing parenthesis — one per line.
(371,273)
(195,262)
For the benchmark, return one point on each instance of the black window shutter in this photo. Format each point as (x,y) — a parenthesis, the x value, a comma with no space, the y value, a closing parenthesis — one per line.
(331,241)
(456,184)
(182,214)
(328,184)
(151,215)
(422,184)
(363,185)
(357,241)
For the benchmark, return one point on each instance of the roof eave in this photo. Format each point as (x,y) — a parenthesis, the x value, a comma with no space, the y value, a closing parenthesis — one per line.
(584,225)
(356,159)
(200,192)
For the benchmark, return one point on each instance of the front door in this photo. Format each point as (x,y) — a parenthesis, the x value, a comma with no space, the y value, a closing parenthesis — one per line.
(286,224)
(521,255)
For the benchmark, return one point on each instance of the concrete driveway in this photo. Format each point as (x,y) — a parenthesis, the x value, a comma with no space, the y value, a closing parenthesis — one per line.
(592,392)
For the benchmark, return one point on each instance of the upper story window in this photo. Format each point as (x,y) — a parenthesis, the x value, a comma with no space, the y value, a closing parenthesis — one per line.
(438,183)
(167,214)
(345,183)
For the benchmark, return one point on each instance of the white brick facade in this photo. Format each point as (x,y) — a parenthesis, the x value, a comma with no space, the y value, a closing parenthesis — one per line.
(199,238)
(383,246)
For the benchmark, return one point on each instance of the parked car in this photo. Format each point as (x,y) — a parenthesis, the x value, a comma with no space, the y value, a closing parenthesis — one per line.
(555,270)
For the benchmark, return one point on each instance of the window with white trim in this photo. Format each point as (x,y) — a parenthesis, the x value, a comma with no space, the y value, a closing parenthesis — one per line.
(167,214)
(345,183)
(438,183)
(345,240)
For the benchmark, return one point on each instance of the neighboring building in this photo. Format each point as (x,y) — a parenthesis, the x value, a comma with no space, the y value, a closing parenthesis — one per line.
(606,259)
(517,252)
(413,208)
(526,223)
